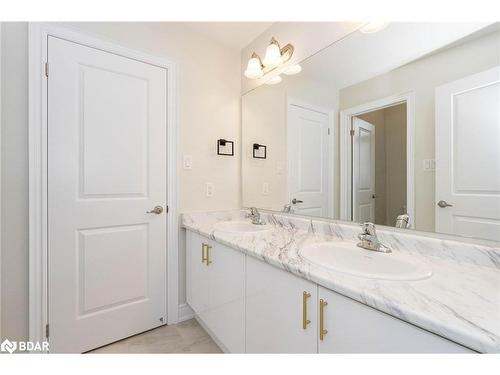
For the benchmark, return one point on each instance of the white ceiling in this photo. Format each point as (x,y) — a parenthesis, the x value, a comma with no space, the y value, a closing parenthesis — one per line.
(362,56)
(232,34)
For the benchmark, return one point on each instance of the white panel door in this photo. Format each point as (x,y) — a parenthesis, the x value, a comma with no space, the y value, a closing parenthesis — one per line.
(106,168)
(275,311)
(363,165)
(308,160)
(468,156)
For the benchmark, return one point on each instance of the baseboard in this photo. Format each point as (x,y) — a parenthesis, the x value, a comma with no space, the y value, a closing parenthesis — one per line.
(185,313)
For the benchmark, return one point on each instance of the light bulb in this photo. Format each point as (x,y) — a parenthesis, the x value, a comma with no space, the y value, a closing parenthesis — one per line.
(254,69)
(373,27)
(294,69)
(274,81)
(273,55)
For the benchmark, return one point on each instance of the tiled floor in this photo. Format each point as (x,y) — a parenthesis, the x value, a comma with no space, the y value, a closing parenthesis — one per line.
(185,337)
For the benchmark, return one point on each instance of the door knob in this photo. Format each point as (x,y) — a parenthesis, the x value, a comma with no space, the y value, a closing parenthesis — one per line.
(444,204)
(157,210)
(295,201)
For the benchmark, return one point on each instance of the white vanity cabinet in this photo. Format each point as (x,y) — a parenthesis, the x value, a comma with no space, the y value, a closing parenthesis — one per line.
(277,303)
(352,327)
(215,289)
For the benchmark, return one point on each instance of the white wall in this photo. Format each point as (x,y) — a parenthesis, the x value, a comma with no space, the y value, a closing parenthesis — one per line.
(208,108)
(308,38)
(423,76)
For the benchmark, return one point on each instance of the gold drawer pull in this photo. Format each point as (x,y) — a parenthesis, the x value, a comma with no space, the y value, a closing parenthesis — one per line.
(204,252)
(208,255)
(322,330)
(305,321)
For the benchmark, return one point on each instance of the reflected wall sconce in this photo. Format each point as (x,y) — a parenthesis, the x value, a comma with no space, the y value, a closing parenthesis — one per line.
(222,143)
(275,56)
(259,151)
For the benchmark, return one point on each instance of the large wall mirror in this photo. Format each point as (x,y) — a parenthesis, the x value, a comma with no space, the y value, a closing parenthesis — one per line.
(403,123)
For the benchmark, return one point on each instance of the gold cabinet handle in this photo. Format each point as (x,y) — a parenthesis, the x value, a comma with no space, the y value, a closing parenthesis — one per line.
(305,321)
(204,252)
(322,330)
(207,258)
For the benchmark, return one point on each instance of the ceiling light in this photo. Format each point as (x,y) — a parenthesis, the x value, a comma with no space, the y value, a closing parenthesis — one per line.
(275,80)
(373,27)
(254,67)
(294,69)
(275,56)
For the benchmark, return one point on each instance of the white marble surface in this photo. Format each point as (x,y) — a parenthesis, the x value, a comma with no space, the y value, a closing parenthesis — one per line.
(461,301)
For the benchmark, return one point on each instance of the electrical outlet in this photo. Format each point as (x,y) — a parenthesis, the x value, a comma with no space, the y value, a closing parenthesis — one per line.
(210,189)
(429,165)
(265,188)
(188,162)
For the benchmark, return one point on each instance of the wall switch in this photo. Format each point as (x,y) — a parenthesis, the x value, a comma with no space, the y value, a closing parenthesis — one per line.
(265,188)
(188,162)
(210,189)
(429,165)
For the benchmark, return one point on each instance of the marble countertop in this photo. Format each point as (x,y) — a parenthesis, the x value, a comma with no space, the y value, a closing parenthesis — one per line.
(460,301)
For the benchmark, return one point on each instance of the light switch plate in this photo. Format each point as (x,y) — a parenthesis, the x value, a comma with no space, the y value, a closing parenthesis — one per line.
(188,162)
(429,165)
(210,189)
(265,188)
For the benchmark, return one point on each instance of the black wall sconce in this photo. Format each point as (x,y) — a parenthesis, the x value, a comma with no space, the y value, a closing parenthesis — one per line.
(257,149)
(225,143)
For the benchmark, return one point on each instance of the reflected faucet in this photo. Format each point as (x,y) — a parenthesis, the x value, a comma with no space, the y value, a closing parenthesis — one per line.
(403,221)
(287,209)
(369,239)
(254,214)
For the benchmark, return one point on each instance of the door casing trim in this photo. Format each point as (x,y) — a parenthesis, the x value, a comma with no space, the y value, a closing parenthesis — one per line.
(38,287)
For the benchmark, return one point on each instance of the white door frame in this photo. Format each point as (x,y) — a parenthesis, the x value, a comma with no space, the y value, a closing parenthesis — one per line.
(332,141)
(38,36)
(346,116)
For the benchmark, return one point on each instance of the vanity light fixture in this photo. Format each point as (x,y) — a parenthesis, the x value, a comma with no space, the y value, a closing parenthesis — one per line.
(373,27)
(294,69)
(275,80)
(275,56)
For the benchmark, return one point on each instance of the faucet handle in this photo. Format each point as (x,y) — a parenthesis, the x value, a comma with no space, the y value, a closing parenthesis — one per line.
(368,228)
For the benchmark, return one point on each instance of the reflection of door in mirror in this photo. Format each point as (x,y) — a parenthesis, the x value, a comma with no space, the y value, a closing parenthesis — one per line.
(379,174)
(468,156)
(309,179)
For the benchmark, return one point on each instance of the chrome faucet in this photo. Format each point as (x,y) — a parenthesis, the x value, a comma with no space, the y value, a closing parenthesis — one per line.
(403,221)
(369,239)
(254,214)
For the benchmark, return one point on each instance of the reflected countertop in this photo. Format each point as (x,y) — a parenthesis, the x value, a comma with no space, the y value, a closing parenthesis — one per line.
(461,301)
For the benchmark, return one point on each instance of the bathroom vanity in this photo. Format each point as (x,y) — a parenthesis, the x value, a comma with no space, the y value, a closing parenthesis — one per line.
(255,289)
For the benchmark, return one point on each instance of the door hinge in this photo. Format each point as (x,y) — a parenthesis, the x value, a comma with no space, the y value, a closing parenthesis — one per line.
(352,133)
(328,131)
(166,209)
(47,331)
(47,69)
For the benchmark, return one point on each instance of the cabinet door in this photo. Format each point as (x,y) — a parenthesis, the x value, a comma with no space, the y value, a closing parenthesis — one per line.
(353,327)
(196,273)
(225,316)
(275,311)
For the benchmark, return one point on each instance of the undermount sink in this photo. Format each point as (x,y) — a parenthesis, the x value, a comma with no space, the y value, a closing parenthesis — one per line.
(347,258)
(240,227)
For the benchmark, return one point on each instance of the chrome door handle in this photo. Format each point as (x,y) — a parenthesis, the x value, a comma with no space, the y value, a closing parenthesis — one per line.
(157,210)
(444,204)
(295,201)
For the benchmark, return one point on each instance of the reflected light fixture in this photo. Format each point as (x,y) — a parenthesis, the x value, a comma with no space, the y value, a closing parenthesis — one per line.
(373,27)
(294,69)
(275,80)
(274,57)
